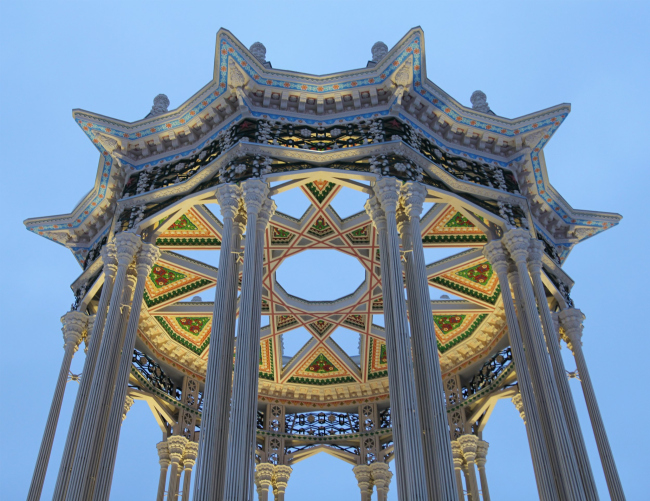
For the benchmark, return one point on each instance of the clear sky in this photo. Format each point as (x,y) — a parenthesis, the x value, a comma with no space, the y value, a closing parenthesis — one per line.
(114,57)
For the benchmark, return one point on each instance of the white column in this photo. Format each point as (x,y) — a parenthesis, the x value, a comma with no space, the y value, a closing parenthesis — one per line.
(281,475)
(364,480)
(213,440)
(571,320)
(468,445)
(109,259)
(438,459)
(176,445)
(457,452)
(189,460)
(164,461)
(74,325)
(535,253)
(374,210)
(92,430)
(145,259)
(495,254)
(387,191)
(518,242)
(381,476)
(263,480)
(481,454)
(244,400)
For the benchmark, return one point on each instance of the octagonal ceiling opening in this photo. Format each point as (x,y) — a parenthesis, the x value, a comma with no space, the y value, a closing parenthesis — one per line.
(320,275)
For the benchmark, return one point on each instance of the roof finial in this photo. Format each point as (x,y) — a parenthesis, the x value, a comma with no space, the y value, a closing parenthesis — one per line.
(160,104)
(379,50)
(479,102)
(259,51)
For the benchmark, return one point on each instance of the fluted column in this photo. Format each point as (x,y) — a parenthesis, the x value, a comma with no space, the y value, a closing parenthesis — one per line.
(213,441)
(281,475)
(263,480)
(244,400)
(481,454)
(571,320)
(362,474)
(457,452)
(468,445)
(74,325)
(387,191)
(535,253)
(518,242)
(378,217)
(164,461)
(145,259)
(95,417)
(495,254)
(176,445)
(189,460)
(381,476)
(93,342)
(436,446)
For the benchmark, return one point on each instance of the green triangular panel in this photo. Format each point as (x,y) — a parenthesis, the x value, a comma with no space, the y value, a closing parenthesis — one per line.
(192,325)
(162,276)
(480,274)
(182,223)
(321,365)
(448,323)
(459,221)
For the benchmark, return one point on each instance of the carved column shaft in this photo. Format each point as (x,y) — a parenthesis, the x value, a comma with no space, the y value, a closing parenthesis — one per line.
(189,460)
(74,324)
(458,467)
(92,430)
(109,258)
(481,453)
(176,445)
(468,446)
(164,461)
(145,260)
(213,441)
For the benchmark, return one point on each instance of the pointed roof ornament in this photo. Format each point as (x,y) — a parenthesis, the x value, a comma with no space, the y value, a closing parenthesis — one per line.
(160,105)
(259,51)
(479,102)
(379,51)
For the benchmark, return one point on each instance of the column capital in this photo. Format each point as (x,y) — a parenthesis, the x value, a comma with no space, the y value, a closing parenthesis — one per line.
(468,444)
(457,453)
(128,402)
(176,444)
(519,405)
(255,192)
(127,244)
(228,196)
(376,213)
(264,474)
(403,222)
(517,241)
(496,255)
(266,213)
(163,453)
(535,253)
(109,258)
(413,196)
(571,320)
(281,474)
(190,452)
(146,258)
(74,326)
(387,190)
(481,452)
(89,331)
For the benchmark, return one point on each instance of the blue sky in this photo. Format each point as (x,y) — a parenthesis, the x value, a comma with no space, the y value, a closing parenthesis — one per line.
(114,57)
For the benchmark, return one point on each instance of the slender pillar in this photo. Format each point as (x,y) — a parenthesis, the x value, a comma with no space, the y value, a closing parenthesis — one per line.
(387,191)
(378,217)
(362,473)
(281,476)
(468,445)
(535,253)
(481,454)
(176,445)
(93,342)
(518,242)
(244,399)
(381,476)
(571,320)
(457,452)
(495,253)
(95,416)
(439,463)
(164,461)
(74,325)
(145,259)
(263,480)
(189,460)
(213,441)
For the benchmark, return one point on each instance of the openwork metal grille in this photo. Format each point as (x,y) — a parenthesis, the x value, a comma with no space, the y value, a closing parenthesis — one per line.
(321,424)
(347,448)
(154,374)
(384,418)
(489,372)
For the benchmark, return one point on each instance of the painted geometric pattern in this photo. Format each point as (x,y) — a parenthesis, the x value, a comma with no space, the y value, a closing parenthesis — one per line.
(356,321)
(321,228)
(321,327)
(320,189)
(321,367)
(191,332)
(452,227)
(377,363)
(452,329)
(360,235)
(190,230)
(266,360)
(280,236)
(478,281)
(283,322)
(166,282)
